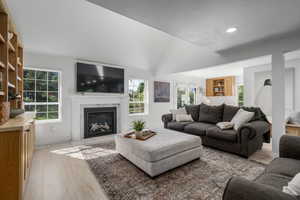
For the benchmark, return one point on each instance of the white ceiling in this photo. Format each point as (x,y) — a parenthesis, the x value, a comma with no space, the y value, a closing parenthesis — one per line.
(84,30)
(236,68)
(81,29)
(204,22)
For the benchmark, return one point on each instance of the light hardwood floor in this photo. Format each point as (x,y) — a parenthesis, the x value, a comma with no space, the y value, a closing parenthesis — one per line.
(62,176)
(60,173)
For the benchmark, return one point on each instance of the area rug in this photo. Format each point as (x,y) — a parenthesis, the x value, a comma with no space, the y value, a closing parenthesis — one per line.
(203,179)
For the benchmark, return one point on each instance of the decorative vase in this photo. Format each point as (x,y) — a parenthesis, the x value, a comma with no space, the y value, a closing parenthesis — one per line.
(4,112)
(138,134)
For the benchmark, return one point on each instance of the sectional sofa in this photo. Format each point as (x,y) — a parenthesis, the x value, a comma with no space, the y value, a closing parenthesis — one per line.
(270,184)
(245,141)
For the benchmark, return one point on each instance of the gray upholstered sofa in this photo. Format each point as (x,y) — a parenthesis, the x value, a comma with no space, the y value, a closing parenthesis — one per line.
(245,141)
(269,185)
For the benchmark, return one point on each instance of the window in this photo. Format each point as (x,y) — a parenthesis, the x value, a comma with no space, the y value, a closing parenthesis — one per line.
(241,95)
(42,93)
(137,96)
(185,96)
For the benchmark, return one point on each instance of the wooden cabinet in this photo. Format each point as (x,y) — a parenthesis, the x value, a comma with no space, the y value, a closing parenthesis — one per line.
(293,129)
(17,140)
(222,86)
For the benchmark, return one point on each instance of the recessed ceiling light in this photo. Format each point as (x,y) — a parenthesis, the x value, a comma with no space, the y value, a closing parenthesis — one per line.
(231,30)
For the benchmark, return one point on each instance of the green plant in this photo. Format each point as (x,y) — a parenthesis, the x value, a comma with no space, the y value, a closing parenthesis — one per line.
(138,125)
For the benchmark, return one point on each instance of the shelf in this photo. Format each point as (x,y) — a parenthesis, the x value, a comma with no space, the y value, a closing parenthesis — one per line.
(11,47)
(2,65)
(11,67)
(19,62)
(2,39)
(19,78)
(11,85)
(2,93)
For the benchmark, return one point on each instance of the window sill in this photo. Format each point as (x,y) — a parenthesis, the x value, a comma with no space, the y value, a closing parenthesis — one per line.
(138,114)
(49,121)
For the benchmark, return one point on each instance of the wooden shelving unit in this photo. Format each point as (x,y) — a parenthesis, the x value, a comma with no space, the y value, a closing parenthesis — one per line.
(11,47)
(222,86)
(11,67)
(2,40)
(11,61)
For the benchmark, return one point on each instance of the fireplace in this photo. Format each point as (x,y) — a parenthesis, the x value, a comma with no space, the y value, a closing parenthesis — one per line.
(100,121)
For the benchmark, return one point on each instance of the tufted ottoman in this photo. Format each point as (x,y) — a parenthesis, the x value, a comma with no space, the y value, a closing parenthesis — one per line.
(162,152)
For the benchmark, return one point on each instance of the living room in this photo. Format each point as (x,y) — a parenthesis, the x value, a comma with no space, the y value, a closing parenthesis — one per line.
(149,100)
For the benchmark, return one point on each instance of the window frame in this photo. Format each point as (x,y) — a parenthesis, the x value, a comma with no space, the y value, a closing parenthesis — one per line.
(238,95)
(146,98)
(187,89)
(59,102)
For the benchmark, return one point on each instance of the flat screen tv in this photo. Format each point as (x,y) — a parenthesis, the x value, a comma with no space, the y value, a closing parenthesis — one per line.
(99,78)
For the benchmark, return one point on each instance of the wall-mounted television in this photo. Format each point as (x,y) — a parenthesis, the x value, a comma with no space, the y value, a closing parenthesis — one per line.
(98,78)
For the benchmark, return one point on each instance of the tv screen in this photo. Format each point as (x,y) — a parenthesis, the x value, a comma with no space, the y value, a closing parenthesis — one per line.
(99,78)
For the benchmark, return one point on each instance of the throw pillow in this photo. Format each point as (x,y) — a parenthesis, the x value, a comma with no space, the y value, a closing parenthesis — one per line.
(193,110)
(177,111)
(229,112)
(183,118)
(258,113)
(241,117)
(225,125)
(211,114)
(293,187)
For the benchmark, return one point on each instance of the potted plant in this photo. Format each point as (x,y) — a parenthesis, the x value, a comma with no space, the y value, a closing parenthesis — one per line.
(138,126)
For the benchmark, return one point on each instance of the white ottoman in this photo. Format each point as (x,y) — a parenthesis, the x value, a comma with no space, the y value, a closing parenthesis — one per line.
(162,152)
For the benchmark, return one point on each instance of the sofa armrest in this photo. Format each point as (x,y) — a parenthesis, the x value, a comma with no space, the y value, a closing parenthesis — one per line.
(289,147)
(243,189)
(251,130)
(166,118)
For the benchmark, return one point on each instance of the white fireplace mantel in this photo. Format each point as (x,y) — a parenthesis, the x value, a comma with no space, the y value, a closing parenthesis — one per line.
(79,102)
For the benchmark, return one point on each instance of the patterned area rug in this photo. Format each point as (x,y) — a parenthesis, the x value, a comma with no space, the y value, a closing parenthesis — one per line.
(203,179)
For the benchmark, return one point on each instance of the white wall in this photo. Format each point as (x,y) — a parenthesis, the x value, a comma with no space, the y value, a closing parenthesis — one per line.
(263,95)
(59,132)
(254,76)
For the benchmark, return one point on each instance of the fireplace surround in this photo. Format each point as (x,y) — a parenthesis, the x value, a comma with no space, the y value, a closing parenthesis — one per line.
(79,103)
(99,121)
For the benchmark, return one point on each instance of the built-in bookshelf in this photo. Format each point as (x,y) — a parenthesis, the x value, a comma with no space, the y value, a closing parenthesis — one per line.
(11,61)
(221,86)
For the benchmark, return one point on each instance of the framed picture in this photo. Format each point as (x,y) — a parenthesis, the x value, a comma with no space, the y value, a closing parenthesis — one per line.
(161,92)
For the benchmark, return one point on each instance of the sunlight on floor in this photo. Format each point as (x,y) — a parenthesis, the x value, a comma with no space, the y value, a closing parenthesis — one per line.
(91,152)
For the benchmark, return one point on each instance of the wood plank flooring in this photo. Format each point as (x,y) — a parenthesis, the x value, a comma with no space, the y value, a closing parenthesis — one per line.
(60,173)
(59,176)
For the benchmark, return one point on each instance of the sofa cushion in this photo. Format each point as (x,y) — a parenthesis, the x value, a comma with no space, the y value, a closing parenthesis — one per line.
(193,110)
(198,128)
(178,126)
(229,112)
(284,166)
(226,135)
(211,114)
(274,180)
(259,115)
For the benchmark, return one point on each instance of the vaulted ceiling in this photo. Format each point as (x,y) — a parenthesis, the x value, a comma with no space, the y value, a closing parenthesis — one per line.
(156,35)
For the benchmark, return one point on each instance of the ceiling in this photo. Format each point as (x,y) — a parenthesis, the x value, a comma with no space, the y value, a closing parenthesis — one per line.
(236,68)
(204,22)
(162,36)
(80,29)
